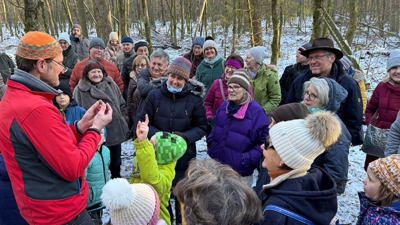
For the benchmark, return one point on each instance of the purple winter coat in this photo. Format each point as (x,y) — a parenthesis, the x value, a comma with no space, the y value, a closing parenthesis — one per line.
(374,214)
(235,140)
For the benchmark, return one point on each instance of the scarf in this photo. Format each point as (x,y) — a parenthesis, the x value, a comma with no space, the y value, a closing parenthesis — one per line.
(211,62)
(313,110)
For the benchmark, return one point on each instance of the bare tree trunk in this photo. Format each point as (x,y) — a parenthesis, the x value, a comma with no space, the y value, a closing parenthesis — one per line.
(147,24)
(182,19)
(102,13)
(353,21)
(53,27)
(67,12)
(329,10)
(123,18)
(276,13)
(200,18)
(82,18)
(252,41)
(256,22)
(317,20)
(234,28)
(32,15)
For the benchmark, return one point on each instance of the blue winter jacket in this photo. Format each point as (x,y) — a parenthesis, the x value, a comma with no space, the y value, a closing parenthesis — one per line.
(9,212)
(235,140)
(335,160)
(73,112)
(96,175)
(350,111)
(374,214)
(312,196)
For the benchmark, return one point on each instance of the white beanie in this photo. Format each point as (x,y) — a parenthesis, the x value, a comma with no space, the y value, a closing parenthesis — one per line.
(299,142)
(394,59)
(65,37)
(131,203)
(259,53)
(210,43)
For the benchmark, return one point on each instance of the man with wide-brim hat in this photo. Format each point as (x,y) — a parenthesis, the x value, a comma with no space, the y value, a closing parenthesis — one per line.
(324,61)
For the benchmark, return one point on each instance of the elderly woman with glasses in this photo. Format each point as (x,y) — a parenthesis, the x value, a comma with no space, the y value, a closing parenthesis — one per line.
(325,94)
(97,85)
(240,127)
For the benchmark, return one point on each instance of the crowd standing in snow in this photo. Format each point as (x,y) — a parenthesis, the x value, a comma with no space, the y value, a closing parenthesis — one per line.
(300,147)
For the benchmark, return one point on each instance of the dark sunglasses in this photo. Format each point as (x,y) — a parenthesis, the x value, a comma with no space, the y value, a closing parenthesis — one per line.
(268,144)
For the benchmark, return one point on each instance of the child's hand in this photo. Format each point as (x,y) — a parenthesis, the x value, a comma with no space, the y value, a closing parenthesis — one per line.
(142,129)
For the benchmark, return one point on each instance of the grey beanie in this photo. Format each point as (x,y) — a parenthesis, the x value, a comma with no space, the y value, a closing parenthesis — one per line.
(96,42)
(208,44)
(259,53)
(65,37)
(394,59)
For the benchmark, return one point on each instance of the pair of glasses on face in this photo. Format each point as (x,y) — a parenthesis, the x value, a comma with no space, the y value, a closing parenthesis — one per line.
(65,69)
(233,87)
(231,68)
(310,95)
(316,58)
(268,144)
(98,48)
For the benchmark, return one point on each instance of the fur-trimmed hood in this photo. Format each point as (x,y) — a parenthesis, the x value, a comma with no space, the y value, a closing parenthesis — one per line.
(192,86)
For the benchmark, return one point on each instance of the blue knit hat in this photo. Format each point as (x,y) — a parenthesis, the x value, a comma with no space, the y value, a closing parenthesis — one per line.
(394,59)
(181,67)
(127,39)
(169,147)
(198,41)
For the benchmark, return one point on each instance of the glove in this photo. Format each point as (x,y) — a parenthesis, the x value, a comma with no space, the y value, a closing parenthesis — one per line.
(210,121)
(181,134)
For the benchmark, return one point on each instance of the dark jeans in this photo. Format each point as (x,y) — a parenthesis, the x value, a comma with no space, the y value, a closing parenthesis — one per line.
(115,160)
(82,218)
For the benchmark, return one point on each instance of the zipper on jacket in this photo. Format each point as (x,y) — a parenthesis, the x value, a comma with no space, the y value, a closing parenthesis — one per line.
(102,162)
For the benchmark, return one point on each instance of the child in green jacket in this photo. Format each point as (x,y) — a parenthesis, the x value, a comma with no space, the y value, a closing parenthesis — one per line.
(155,162)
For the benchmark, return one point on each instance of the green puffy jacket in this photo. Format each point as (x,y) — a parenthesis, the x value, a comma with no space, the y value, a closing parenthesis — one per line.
(266,89)
(159,176)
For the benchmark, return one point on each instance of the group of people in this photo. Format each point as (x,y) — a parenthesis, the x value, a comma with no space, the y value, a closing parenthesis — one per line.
(87,98)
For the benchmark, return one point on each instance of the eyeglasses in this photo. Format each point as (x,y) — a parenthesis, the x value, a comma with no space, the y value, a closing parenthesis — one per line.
(317,57)
(311,96)
(234,88)
(141,65)
(65,69)
(231,68)
(268,144)
(98,48)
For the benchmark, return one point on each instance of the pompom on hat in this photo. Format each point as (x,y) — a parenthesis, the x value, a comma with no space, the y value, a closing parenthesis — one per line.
(181,67)
(394,59)
(131,203)
(241,77)
(299,142)
(36,45)
(387,170)
(169,147)
(259,53)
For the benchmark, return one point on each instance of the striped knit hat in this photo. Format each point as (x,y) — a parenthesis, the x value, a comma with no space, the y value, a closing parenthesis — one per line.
(181,67)
(346,62)
(387,170)
(241,77)
(131,203)
(169,147)
(36,45)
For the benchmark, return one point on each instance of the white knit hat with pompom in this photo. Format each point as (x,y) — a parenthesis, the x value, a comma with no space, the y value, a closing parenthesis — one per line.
(299,142)
(131,203)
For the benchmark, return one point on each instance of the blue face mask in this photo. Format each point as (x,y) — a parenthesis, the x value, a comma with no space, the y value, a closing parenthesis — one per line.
(172,89)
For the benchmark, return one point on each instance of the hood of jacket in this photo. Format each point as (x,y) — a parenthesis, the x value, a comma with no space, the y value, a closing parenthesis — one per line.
(191,87)
(33,83)
(336,95)
(312,196)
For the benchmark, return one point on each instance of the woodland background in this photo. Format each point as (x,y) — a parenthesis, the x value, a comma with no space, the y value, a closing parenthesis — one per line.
(188,18)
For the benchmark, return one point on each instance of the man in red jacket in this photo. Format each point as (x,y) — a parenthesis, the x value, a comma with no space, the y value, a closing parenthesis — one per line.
(45,163)
(96,52)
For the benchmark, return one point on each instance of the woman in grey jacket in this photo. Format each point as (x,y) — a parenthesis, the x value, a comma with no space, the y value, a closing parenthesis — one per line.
(96,85)
(393,140)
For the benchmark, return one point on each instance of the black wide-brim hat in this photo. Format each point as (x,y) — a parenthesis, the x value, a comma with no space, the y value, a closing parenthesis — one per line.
(325,44)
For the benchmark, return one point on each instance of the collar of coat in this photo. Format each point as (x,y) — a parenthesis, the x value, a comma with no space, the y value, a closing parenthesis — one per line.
(193,86)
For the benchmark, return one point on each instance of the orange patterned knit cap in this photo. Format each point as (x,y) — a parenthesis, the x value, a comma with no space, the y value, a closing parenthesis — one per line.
(36,45)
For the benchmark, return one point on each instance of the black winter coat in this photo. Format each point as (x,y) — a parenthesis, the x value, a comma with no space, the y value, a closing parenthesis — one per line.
(180,112)
(289,75)
(350,111)
(70,60)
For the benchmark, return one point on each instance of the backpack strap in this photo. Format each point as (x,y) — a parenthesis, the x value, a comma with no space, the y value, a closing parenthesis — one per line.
(288,213)
(221,88)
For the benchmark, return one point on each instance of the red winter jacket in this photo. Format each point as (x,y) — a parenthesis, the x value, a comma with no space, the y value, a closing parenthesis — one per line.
(385,99)
(44,161)
(110,68)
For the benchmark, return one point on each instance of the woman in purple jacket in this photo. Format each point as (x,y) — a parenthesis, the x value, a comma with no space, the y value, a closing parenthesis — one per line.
(240,127)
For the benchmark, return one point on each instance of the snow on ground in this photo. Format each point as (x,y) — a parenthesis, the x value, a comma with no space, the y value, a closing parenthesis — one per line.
(371,52)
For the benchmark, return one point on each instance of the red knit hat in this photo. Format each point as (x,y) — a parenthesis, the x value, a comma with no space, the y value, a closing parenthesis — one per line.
(36,45)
